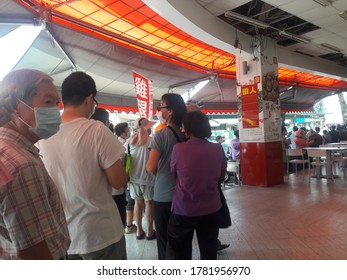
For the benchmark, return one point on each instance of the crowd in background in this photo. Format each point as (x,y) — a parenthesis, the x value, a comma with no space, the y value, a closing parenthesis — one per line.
(231,149)
(300,138)
(313,137)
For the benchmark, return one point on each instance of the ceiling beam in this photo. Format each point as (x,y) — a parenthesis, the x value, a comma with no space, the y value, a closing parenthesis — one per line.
(193,19)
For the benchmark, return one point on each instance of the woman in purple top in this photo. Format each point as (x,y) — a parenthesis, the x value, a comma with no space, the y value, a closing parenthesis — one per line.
(198,166)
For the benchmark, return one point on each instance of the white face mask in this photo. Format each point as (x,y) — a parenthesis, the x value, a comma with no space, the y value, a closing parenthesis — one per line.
(92,111)
(128,135)
(159,115)
(47,121)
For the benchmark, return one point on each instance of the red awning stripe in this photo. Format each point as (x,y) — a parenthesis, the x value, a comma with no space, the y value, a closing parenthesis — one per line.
(219,112)
(119,109)
(133,110)
(296,111)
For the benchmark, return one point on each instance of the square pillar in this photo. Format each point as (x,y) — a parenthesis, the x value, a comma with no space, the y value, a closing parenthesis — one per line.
(260,116)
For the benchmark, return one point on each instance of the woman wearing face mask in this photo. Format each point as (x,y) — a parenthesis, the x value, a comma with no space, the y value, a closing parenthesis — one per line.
(172,108)
(161,124)
(29,112)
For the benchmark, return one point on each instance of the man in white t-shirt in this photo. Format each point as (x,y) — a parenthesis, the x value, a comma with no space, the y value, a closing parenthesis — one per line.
(83,159)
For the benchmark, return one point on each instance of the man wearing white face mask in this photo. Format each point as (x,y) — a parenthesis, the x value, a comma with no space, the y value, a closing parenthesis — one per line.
(32,220)
(83,159)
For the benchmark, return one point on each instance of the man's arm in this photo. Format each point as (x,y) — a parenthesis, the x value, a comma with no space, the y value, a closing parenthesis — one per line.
(116,175)
(39,251)
(152,163)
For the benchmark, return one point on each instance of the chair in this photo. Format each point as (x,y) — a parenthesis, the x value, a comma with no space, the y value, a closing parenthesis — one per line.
(299,159)
(317,161)
(343,166)
(234,167)
(339,160)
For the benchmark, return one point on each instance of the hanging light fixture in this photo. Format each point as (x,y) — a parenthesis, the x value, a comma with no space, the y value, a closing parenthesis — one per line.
(329,48)
(248,20)
(294,37)
(343,15)
(323,3)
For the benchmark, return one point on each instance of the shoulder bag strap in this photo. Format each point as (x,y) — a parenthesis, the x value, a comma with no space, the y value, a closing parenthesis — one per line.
(128,149)
(175,133)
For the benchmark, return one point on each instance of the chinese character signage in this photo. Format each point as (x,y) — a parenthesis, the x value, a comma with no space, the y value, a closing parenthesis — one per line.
(143,89)
(250,107)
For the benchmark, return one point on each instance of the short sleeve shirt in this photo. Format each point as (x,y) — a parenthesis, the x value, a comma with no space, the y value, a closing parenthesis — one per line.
(30,207)
(163,141)
(76,158)
(138,173)
(198,166)
(235,148)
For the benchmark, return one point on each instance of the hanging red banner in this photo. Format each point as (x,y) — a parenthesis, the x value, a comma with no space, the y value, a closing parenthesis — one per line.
(143,89)
(250,107)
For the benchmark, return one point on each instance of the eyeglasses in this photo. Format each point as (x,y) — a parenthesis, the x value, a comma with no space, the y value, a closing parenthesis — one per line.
(95,102)
(161,107)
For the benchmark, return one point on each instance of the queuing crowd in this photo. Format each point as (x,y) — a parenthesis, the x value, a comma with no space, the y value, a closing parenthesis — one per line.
(70,188)
(302,137)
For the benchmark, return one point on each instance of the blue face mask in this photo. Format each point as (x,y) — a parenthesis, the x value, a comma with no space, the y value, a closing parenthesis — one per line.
(47,121)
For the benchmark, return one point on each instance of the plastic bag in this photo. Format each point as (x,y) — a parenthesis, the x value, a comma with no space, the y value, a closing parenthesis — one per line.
(127,161)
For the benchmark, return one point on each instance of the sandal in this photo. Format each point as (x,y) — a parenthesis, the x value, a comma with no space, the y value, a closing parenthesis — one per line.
(154,236)
(141,236)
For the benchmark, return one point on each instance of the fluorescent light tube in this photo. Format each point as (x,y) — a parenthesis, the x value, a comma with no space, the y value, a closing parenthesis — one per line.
(329,48)
(343,15)
(242,18)
(323,3)
(294,37)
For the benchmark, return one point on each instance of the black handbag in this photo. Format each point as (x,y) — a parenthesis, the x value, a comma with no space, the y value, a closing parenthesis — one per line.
(225,219)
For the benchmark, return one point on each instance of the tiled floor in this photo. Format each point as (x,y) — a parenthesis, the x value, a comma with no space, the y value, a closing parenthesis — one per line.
(297,220)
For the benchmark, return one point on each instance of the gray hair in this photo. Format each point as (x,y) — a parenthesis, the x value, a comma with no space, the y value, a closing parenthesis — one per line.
(18,85)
